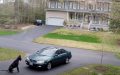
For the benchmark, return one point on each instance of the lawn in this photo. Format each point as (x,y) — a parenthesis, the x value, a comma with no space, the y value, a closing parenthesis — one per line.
(95,70)
(7,54)
(74,37)
(7,32)
(106,41)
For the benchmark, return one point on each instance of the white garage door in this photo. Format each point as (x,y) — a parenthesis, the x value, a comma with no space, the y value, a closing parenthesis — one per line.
(55,21)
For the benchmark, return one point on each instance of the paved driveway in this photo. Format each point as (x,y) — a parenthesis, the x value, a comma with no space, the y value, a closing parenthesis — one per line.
(30,34)
(80,57)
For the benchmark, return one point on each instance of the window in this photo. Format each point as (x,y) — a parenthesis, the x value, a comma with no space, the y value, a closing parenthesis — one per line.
(98,5)
(59,5)
(52,4)
(78,5)
(74,5)
(49,4)
(45,52)
(58,52)
(106,6)
(66,5)
(71,5)
(72,15)
(102,6)
(96,19)
(82,5)
(109,6)
(62,51)
(90,6)
(80,16)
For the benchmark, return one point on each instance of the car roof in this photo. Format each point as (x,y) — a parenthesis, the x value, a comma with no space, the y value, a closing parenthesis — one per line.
(51,48)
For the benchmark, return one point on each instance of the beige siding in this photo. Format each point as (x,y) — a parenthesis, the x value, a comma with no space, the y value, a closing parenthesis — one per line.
(57,14)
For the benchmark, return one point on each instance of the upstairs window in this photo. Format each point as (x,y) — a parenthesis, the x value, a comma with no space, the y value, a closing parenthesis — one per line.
(66,4)
(90,6)
(99,6)
(60,4)
(74,5)
(82,5)
(71,5)
(106,6)
(52,4)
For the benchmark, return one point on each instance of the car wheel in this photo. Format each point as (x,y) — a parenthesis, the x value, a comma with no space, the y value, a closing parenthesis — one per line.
(49,66)
(66,60)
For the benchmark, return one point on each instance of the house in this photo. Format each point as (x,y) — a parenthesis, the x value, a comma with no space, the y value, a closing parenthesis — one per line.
(82,13)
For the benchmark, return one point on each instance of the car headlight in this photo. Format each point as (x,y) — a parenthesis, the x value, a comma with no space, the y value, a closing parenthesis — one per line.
(40,62)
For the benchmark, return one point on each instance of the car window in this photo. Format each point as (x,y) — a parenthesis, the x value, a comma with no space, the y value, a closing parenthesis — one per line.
(46,52)
(62,51)
(58,52)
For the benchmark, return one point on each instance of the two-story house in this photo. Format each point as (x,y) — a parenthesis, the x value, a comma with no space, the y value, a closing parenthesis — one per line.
(82,13)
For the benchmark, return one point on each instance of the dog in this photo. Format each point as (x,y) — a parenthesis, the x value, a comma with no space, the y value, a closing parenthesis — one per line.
(15,64)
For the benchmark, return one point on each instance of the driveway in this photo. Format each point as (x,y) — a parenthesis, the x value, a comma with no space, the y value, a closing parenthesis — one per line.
(80,57)
(29,34)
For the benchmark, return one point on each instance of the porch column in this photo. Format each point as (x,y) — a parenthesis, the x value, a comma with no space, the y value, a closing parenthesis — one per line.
(67,16)
(75,16)
(83,17)
(82,20)
(100,19)
(91,21)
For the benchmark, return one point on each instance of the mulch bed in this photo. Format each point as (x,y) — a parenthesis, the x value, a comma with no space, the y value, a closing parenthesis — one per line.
(101,68)
(17,26)
(118,42)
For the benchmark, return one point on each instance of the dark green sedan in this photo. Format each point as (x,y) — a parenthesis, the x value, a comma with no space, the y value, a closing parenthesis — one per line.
(48,57)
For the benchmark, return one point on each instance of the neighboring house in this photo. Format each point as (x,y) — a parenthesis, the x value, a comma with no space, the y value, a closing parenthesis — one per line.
(82,13)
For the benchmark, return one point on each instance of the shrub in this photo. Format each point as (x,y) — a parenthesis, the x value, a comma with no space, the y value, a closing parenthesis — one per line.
(115,25)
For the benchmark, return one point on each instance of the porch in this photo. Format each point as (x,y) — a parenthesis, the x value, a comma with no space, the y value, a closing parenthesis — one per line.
(86,20)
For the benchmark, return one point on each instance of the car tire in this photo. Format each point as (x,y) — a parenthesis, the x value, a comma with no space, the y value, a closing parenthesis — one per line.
(66,61)
(49,66)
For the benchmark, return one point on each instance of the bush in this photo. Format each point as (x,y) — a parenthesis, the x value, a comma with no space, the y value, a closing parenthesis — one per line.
(4,21)
(115,25)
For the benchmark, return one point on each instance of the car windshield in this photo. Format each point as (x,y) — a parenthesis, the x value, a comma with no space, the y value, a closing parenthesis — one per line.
(46,52)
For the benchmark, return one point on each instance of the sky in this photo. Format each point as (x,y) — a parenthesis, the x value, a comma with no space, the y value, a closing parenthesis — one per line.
(1,1)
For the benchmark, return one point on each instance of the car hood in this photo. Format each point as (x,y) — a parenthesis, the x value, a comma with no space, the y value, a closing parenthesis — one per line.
(39,57)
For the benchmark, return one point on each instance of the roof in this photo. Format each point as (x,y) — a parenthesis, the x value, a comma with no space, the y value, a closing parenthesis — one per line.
(50,48)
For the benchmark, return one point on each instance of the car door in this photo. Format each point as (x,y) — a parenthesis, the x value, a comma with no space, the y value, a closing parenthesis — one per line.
(57,57)
(63,55)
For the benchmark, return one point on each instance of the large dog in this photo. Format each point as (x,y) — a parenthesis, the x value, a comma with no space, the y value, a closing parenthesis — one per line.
(15,64)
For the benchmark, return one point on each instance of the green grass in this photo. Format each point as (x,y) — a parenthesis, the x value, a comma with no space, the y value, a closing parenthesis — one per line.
(7,32)
(106,41)
(83,37)
(95,70)
(7,54)
(117,55)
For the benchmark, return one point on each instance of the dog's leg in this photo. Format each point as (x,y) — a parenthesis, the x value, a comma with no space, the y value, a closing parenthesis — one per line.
(18,69)
(10,70)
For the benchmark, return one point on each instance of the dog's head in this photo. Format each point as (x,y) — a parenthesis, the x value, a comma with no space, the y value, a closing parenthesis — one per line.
(19,57)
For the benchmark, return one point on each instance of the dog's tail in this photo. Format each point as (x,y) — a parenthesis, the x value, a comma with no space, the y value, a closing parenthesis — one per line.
(3,70)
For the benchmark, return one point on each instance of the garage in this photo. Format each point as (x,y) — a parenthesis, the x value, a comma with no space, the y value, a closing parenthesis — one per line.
(55,21)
